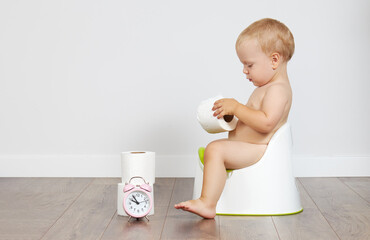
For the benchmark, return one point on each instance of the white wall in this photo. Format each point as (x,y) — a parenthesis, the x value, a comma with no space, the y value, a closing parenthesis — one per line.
(81,81)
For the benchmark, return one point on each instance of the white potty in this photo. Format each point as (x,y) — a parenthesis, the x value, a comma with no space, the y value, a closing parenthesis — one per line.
(266,188)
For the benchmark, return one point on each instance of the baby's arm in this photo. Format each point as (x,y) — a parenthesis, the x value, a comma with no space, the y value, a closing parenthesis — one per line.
(263,120)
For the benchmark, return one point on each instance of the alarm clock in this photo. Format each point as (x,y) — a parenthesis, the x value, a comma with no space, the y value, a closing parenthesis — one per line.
(137,200)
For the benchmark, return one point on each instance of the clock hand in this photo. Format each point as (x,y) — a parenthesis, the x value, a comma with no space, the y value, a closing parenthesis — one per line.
(136,201)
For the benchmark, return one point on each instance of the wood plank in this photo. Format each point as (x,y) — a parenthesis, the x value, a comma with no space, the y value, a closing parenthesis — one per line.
(163,189)
(247,227)
(120,228)
(360,185)
(347,213)
(309,224)
(184,225)
(90,214)
(30,206)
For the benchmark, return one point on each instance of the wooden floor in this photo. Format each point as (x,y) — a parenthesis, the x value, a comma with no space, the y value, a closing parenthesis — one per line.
(85,208)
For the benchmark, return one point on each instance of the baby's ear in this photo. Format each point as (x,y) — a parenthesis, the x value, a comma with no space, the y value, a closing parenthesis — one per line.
(275,60)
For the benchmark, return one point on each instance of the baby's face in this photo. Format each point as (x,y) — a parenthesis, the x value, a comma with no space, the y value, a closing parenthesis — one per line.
(257,65)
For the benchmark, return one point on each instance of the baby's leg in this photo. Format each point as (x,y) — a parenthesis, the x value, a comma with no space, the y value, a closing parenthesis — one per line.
(219,156)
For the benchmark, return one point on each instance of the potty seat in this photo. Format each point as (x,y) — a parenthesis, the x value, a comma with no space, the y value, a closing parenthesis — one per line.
(265,188)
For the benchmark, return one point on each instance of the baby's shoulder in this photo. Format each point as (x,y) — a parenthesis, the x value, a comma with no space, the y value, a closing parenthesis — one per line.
(277,92)
(271,91)
(279,88)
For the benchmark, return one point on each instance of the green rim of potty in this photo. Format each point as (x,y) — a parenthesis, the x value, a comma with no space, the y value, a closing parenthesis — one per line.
(201,157)
(274,214)
(201,154)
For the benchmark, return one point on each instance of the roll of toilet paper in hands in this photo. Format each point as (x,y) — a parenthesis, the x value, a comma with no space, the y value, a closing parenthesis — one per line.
(212,124)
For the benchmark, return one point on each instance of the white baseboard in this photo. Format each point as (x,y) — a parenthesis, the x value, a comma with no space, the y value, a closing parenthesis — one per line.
(335,166)
(88,165)
(166,166)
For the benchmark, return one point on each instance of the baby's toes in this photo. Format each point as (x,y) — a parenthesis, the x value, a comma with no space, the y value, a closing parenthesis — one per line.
(179,205)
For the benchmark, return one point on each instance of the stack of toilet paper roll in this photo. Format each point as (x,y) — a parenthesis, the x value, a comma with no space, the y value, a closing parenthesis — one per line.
(212,124)
(136,163)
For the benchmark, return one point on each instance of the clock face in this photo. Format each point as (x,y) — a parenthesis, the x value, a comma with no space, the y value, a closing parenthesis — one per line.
(137,203)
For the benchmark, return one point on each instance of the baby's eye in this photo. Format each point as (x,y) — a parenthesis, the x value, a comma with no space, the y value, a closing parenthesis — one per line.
(250,65)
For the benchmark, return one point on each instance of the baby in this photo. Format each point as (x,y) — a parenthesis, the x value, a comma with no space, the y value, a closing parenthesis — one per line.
(264,48)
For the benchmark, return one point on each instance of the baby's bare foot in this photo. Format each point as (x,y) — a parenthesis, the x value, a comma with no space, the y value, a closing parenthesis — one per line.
(198,207)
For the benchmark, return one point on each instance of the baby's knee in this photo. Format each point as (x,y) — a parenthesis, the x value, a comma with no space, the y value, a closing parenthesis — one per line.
(213,149)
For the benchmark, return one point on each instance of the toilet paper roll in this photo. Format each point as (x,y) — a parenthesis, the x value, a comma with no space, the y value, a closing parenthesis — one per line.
(212,124)
(138,163)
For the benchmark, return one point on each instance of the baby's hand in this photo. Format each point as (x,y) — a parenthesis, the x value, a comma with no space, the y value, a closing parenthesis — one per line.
(225,106)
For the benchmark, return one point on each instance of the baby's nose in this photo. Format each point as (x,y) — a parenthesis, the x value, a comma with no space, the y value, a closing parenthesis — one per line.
(245,71)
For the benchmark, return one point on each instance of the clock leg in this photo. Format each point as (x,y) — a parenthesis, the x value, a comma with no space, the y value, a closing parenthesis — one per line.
(129,218)
(147,218)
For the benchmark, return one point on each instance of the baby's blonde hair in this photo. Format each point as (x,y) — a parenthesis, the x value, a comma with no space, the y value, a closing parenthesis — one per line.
(272,36)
